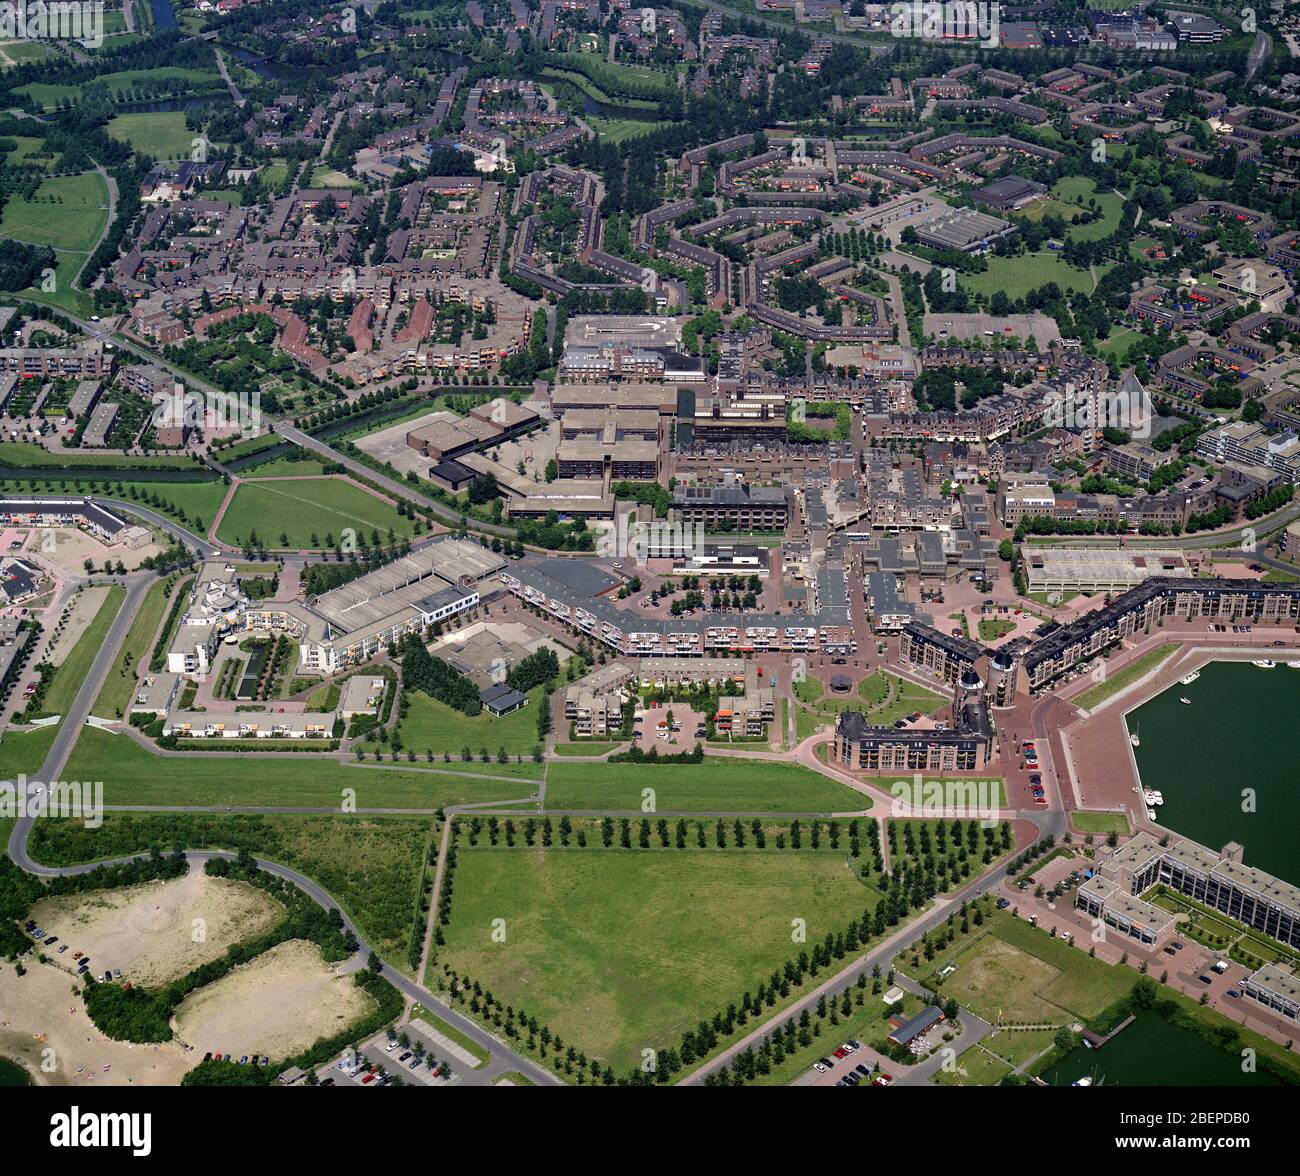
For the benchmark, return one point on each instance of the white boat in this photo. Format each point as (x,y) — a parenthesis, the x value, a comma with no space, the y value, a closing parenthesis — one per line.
(1082,1082)
(1134,740)
(1151,814)
(1295,665)
(1264,663)
(1185,701)
(1157,799)
(1149,796)
(1187,681)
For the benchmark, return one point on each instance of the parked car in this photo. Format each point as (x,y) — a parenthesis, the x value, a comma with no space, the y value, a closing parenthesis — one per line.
(1204,979)
(1232,992)
(819,1067)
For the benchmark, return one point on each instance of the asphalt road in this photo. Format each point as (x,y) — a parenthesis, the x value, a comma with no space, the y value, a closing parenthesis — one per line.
(502,1059)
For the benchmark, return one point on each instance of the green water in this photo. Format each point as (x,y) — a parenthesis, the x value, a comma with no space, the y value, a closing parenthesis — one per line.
(1239,732)
(1152,1052)
(12,1074)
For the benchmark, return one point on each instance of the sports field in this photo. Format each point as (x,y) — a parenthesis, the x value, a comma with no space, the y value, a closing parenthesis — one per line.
(620,951)
(300,509)
(720,783)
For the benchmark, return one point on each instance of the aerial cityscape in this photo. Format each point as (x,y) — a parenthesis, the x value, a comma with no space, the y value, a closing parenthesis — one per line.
(731,543)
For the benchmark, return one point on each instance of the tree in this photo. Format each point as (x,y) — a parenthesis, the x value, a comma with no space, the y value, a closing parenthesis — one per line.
(1006,551)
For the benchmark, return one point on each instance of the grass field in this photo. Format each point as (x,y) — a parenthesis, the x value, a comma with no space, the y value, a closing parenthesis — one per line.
(314,506)
(1017,973)
(371,865)
(1125,677)
(434,726)
(23,752)
(198,501)
(123,85)
(619,130)
(119,686)
(974,1067)
(68,212)
(328,177)
(621,951)
(162,134)
(1100,822)
(132,775)
(593,749)
(70,675)
(1118,342)
(1016,276)
(1069,188)
(720,783)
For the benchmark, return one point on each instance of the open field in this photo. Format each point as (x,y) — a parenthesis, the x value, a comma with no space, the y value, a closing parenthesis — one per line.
(76,663)
(298,510)
(974,1067)
(245,1011)
(594,748)
(1016,276)
(119,686)
(23,752)
(1017,973)
(162,134)
(1116,682)
(68,212)
(719,784)
(883,697)
(371,865)
(622,951)
(150,931)
(132,775)
(1069,188)
(129,83)
(434,726)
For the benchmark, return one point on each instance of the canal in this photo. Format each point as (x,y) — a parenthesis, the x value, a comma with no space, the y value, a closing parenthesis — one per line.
(1152,1052)
(1238,733)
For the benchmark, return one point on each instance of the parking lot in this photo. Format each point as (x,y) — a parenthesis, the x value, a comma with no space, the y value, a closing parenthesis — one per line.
(379,1060)
(848,1064)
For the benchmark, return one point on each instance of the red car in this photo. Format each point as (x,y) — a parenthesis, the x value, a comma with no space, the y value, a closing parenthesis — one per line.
(841,1053)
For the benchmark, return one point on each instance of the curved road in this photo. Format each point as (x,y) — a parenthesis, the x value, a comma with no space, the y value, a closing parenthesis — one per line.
(502,1059)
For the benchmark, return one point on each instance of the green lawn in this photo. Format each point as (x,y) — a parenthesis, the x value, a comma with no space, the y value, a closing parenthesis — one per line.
(1100,822)
(67,212)
(974,1067)
(434,726)
(70,675)
(991,630)
(720,784)
(1125,677)
(189,503)
(1118,342)
(1069,188)
(593,748)
(133,775)
(1016,276)
(119,686)
(162,134)
(23,752)
(620,951)
(124,85)
(324,507)
(1019,973)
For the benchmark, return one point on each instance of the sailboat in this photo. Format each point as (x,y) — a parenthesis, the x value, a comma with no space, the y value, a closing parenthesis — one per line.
(1185,701)
(1134,740)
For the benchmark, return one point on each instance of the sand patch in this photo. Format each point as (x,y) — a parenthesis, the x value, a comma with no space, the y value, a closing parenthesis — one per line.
(43,1022)
(277,1004)
(73,546)
(84,606)
(159,931)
